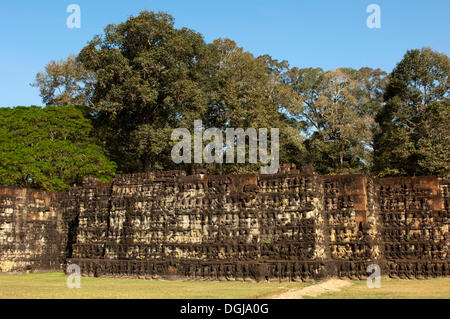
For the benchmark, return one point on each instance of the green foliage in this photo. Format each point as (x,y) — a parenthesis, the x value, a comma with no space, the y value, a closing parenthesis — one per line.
(143,78)
(49,148)
(152,78)
(65,82)
(148,82)
(413,132)
(338,116)
(250,92)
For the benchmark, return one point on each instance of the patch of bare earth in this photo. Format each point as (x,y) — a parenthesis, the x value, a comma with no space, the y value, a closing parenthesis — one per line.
(315,290)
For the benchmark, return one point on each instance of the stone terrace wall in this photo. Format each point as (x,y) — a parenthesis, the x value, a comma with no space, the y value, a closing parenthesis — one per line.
(169,225)
(293,225)
(414,228)
(288,226)
(32,231)
(351,224)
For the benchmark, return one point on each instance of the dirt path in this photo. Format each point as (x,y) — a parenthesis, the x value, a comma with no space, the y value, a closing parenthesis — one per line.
(315,290)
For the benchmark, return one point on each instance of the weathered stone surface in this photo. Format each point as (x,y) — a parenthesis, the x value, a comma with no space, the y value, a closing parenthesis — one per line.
(293,225)
(414,226)
(32,232)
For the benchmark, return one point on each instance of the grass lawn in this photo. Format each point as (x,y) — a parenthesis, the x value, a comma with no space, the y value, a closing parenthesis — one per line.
(438,288)
(53,285)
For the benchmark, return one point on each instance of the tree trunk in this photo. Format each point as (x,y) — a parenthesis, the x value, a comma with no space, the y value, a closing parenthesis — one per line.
(147,163)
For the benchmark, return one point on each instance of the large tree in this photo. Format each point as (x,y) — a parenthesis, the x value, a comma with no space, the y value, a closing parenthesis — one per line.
(413,132)
(148,81)
(338,115)
(245,91)
(65,82)
(49,148)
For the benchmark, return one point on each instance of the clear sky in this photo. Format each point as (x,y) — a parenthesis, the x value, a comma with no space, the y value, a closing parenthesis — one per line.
(313,33)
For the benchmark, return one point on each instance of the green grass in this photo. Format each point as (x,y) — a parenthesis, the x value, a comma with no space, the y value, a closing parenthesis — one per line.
(53,286)
(436,288)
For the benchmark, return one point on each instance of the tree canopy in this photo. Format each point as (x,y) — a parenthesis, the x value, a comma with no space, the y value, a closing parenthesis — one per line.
(65,82)
(143,78)
(148,81)
(50,148)
(338,115)
(244,91)
(413,133)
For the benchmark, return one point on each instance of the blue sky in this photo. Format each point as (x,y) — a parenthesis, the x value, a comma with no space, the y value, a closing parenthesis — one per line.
(320,33)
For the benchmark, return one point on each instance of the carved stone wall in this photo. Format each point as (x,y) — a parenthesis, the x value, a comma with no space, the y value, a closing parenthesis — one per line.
(242,227)
(288,226)
(350,216)
(32,232)
(414,226)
